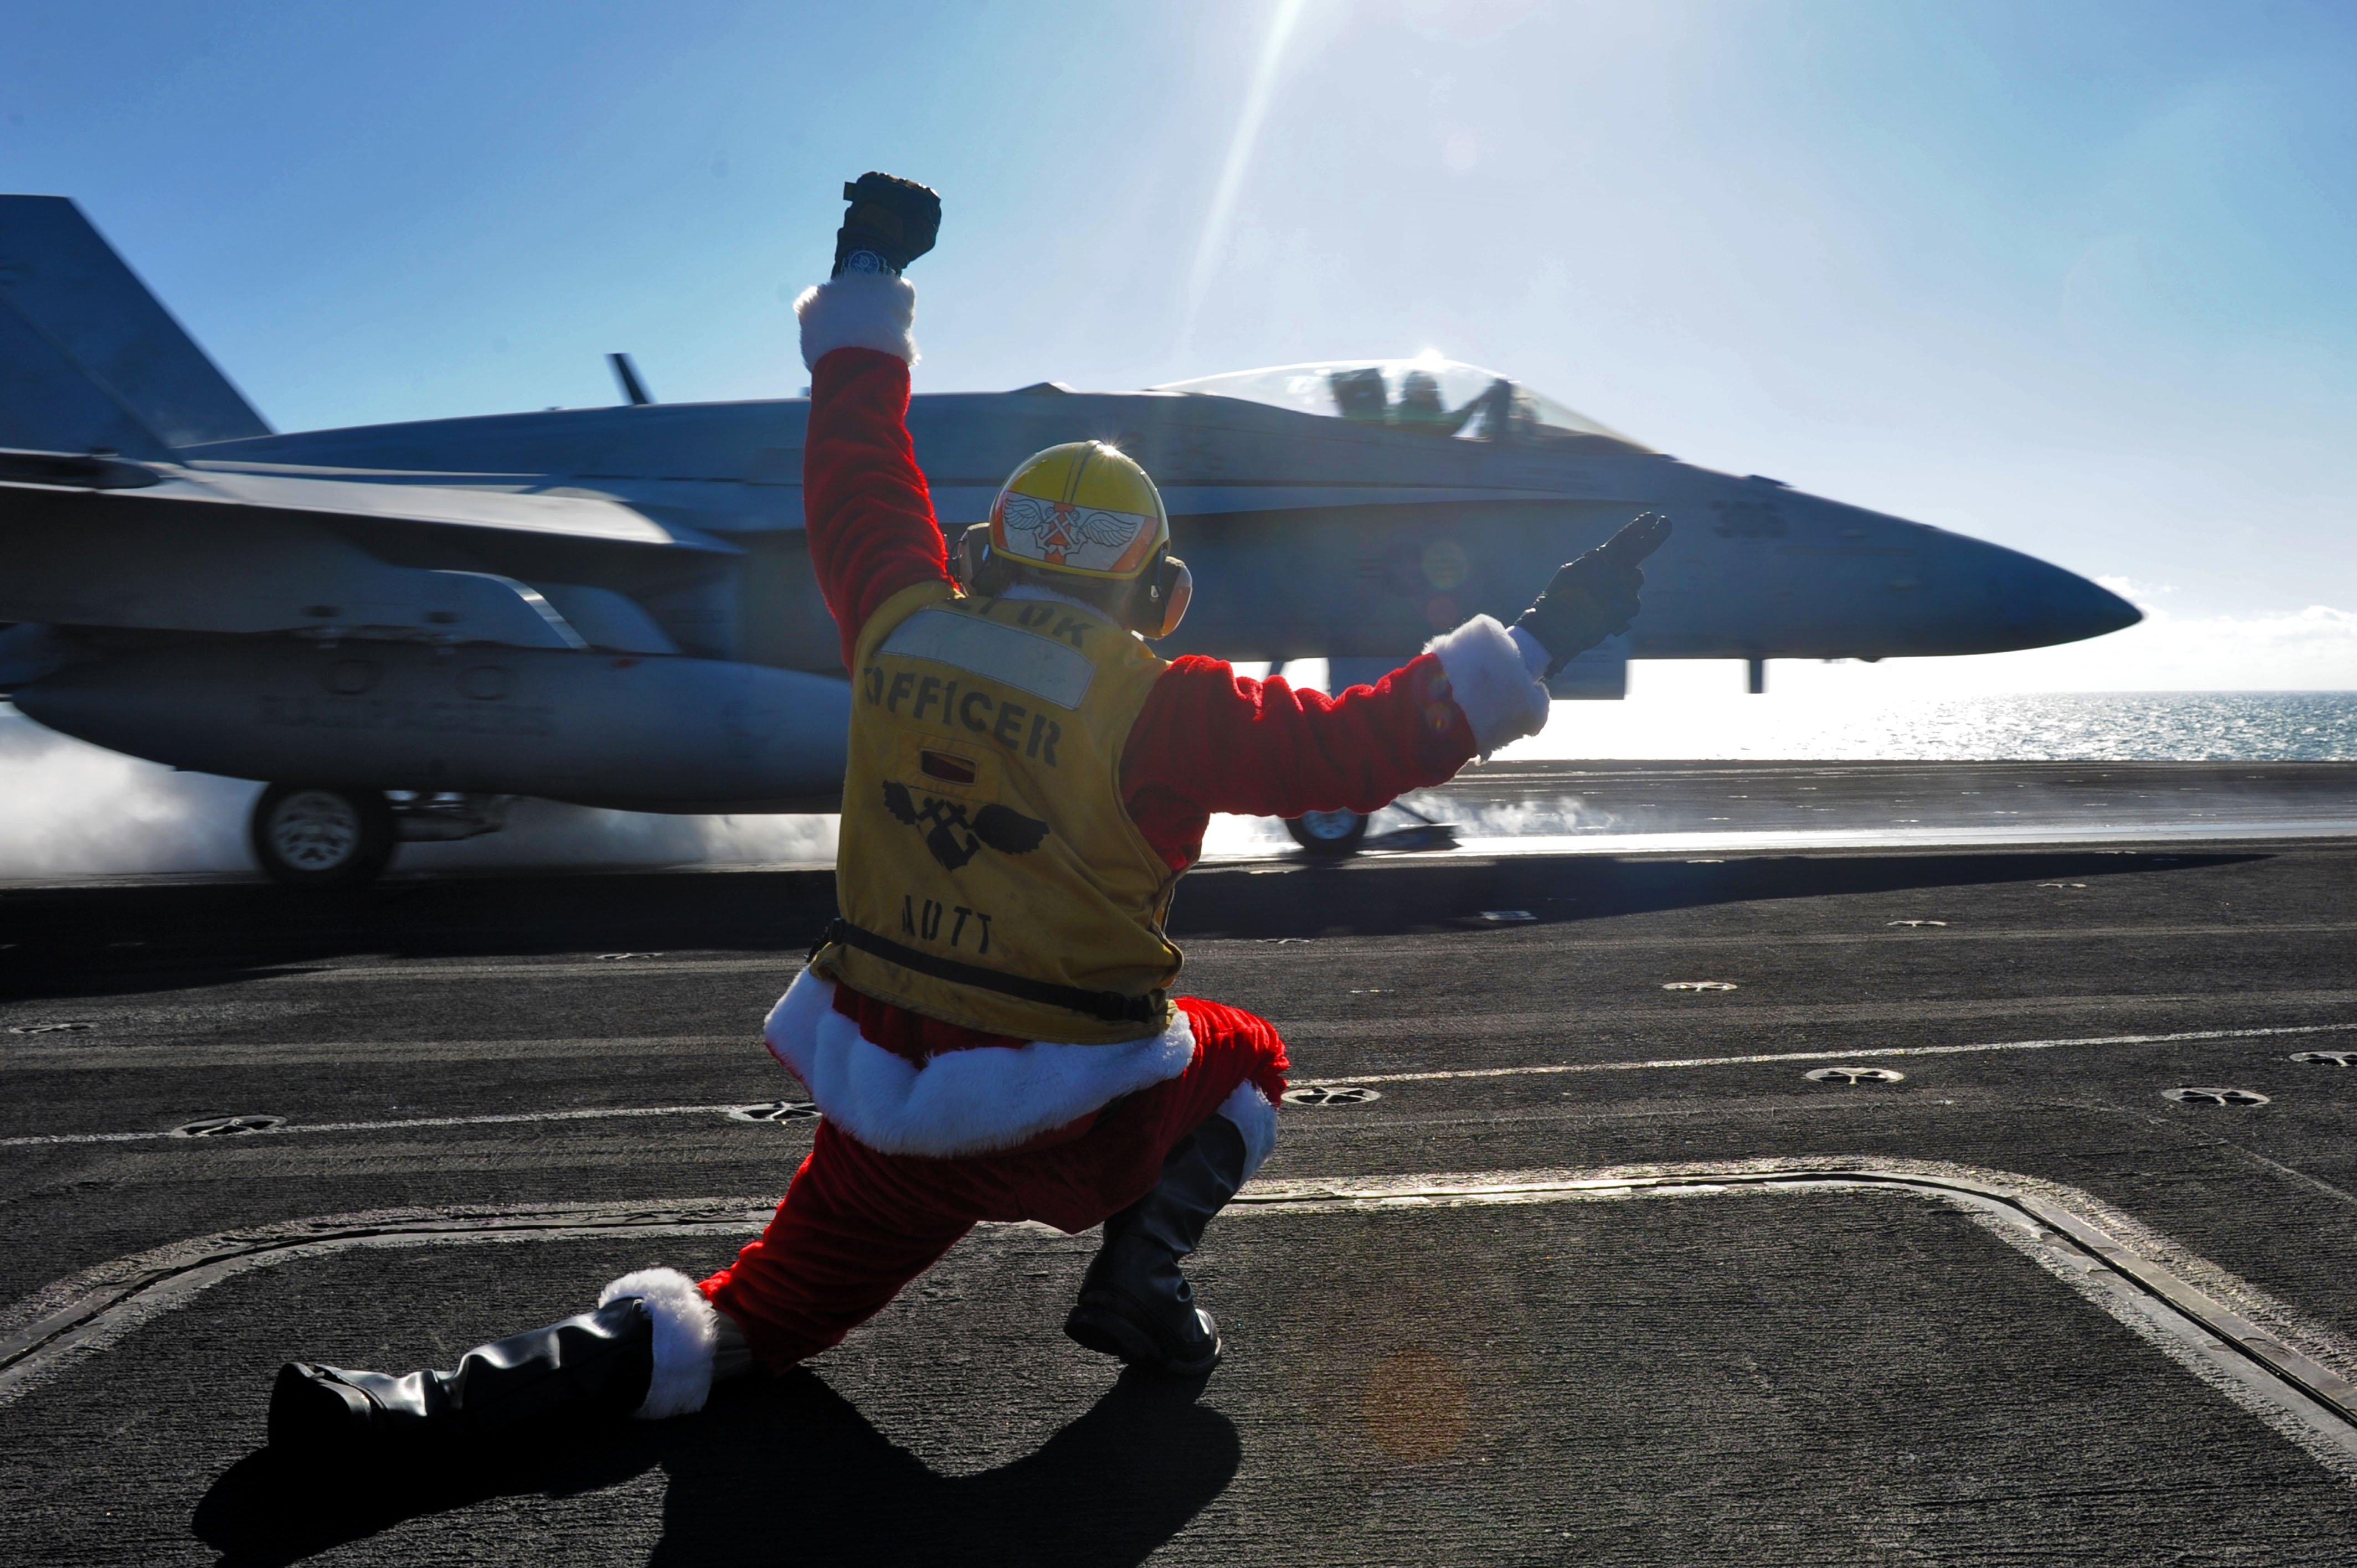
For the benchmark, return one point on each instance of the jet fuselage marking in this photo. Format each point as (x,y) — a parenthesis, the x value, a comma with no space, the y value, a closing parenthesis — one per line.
(402,714)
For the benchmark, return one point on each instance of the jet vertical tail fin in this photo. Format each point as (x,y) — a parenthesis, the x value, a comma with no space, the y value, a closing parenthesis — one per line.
(88,356)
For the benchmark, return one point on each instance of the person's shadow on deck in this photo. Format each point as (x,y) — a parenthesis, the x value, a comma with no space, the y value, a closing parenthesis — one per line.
(784,1471)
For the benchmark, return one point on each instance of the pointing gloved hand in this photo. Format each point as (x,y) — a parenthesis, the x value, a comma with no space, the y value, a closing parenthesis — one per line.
(892,221)
(1595,597)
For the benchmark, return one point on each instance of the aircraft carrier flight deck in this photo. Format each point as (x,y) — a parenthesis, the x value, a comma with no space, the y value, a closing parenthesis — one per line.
(1927,1163)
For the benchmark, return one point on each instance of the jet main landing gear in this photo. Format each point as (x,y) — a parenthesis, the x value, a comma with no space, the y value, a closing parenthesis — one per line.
(324,835)
(318,835)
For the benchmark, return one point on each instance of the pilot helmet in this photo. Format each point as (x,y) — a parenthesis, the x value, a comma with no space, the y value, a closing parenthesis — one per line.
(1085,511)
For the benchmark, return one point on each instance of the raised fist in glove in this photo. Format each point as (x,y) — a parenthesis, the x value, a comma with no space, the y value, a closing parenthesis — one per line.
(1595,597)
(892,221)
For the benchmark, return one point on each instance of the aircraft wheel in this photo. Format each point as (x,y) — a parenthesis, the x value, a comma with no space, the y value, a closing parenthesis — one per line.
(311,835)
(1328,835)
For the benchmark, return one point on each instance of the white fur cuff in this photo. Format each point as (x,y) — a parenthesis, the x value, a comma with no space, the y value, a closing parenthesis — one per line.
(960,1102)
(858,310)
(1255,1118)
(1490,682)
(687,1330)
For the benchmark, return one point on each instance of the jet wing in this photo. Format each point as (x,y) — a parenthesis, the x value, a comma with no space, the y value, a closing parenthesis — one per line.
(358,503)
(100,541)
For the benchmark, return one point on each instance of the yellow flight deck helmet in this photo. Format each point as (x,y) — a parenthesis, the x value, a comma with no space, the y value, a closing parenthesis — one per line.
(1084,508)
(1087,511)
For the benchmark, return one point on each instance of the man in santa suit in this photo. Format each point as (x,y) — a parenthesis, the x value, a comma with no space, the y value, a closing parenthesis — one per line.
(988,1027)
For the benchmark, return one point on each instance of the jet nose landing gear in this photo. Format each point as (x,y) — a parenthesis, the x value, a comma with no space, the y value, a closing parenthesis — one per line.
(1336,836)
(314,835)
(1329,835)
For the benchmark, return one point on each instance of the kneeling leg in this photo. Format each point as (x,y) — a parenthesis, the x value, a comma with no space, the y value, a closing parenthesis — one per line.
(647,1351)
(1135,1303)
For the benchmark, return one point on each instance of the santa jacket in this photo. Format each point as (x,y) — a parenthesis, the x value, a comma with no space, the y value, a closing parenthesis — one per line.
(1207,740)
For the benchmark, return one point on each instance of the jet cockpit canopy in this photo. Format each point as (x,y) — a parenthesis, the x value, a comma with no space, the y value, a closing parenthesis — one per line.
(1431,395)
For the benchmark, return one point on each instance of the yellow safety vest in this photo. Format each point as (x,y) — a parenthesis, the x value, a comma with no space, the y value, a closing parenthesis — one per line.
(989,873)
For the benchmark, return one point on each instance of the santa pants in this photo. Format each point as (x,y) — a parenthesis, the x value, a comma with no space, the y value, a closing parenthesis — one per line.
(857,1225)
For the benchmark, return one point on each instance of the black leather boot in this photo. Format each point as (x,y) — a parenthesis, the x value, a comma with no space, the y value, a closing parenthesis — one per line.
(1135,1303)
(599,1364)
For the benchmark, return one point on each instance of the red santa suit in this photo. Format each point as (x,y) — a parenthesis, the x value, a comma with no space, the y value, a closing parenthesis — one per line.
(930,1127)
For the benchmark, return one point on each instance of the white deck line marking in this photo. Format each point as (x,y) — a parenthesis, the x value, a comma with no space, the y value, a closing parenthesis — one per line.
(2242,1352)
(595,1114)
(1543,1071)
(1552,1068)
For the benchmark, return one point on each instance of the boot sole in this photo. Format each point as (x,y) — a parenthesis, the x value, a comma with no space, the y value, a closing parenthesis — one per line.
(1109,1332)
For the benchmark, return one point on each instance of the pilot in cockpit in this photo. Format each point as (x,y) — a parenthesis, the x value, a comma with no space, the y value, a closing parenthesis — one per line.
(1420,408)
(1362,397)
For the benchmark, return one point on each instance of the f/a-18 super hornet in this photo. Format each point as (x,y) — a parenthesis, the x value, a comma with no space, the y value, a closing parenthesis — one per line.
(400,627)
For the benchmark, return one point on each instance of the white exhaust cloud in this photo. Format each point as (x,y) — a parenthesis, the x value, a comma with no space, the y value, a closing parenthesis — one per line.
(77,810)
(74,810)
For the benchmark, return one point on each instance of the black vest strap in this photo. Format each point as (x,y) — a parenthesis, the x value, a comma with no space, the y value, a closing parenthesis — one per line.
(1110,1005)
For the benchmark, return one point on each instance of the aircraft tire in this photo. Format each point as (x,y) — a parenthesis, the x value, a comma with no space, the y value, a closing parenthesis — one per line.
(318,835)
(1328,835)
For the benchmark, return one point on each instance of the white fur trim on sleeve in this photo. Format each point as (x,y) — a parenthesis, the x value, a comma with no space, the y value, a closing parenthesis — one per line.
(1255,1118)
(858,310)
(960,1102)
(1490,682)
(687,1330)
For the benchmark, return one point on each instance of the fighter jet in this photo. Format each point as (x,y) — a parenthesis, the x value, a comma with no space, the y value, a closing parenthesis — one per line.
(401,628)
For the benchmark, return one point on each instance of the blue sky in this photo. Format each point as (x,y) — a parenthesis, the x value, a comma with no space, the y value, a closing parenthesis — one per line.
(2075,278)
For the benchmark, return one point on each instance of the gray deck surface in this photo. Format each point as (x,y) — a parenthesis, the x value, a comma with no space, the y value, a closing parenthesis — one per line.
(1795,1377)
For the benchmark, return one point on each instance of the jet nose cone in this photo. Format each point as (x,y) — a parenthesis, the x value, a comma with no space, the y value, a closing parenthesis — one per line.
(2077,609)
(2026,603)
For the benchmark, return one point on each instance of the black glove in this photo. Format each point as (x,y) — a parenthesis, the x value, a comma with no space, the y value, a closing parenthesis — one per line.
(1595,597)
(892,221)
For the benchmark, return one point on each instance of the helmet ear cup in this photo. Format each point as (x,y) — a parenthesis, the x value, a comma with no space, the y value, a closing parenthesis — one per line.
(966,556)
(975,565)
(1172,589)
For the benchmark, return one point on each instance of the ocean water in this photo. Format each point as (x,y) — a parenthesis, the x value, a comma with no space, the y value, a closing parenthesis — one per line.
(1818,727)
(2111,727)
